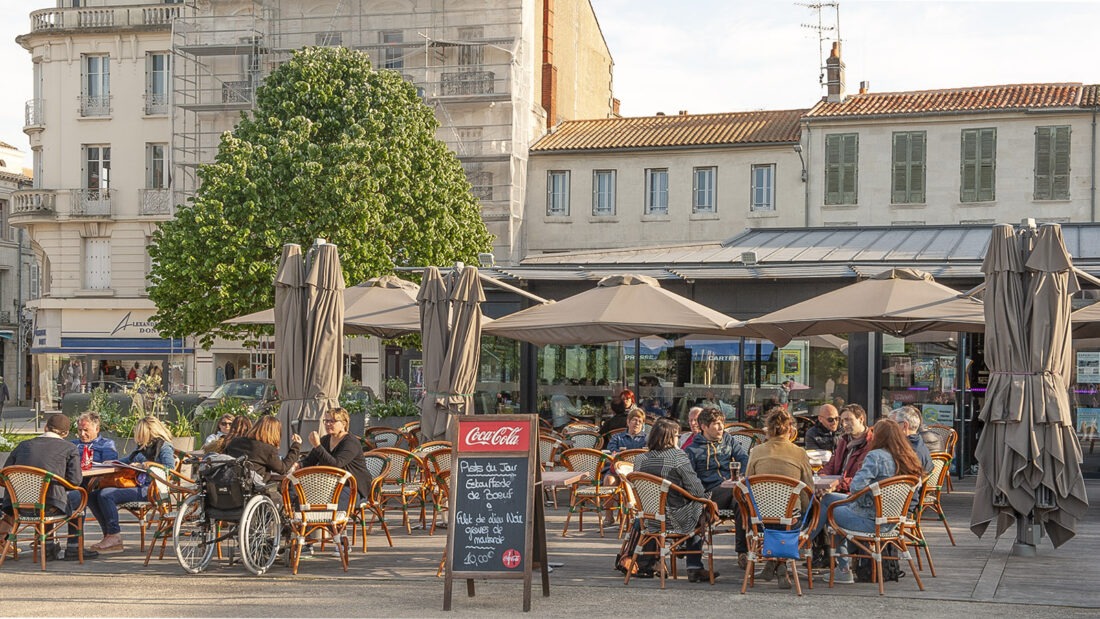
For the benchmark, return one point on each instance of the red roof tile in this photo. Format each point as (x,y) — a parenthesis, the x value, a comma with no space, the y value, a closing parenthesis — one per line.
(669,131)
(973,99)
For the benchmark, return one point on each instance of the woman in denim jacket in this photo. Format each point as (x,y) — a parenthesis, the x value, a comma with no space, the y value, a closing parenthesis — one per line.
(154,445)
(890,455)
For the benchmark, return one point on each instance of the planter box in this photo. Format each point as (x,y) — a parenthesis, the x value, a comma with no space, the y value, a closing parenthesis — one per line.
(394,422)
(184,443)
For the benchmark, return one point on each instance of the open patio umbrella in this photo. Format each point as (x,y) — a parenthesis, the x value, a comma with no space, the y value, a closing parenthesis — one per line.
(324,350)
(290,336)
(620,307)
(1086,322)
(434,331)
(458,375)
(899,301)
(1028,455)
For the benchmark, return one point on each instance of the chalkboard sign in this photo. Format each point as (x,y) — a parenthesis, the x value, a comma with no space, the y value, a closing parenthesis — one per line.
(493,515)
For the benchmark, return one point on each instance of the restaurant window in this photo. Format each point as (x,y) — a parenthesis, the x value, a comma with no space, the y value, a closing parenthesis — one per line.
(908,167)
(603,192)
(1052,163)
(557,192)
(921,370)
(703,190)
(656,191)
(979,165)
(841,168)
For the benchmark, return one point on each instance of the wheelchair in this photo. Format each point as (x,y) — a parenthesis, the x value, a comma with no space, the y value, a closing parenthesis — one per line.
(231,504)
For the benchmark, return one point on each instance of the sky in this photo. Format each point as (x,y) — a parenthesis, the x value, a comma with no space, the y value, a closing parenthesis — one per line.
(734,55)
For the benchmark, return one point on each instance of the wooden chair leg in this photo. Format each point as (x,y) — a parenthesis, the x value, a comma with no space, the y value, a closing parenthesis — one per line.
(792,571)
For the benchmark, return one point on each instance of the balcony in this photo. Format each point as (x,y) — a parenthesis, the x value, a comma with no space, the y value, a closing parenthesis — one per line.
(95,105)
(467,83)
(30,203)
(155,202)
(85,18)
(91,203)
(35,117)
(156,103)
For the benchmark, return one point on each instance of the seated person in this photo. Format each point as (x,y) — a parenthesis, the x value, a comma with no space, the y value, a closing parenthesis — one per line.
(908,419)
(154,445)
(561,409)
(666,461)
(237,428)
(851,448)
(260,446)
(52,453)
(339,449)
(693,423)
(632,438)
(711,454)
(823,434)
(88,439)
(224,423)
(617,419)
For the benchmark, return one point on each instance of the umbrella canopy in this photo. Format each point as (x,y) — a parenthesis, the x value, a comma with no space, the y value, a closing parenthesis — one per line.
(1028,455)
(434,333)
(1086,322)
(620,307)
(898,301)
(290,335)
(458,375)
(324,331)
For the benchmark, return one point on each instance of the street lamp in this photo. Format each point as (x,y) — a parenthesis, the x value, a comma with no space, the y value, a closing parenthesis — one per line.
(798,149)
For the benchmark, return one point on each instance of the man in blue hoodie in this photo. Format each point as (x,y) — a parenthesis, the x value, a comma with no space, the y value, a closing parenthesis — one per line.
(909,419)
(711,453)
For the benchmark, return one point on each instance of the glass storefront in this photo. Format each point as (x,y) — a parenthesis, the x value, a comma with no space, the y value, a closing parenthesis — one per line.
(1085,399)
(922,370)
(60,374)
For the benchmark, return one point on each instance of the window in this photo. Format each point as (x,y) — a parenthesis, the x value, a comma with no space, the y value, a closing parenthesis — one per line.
(97,166)
(702,190)
(393,56)
(557,192)
(1052,163)
(979,158)
(603,192)
(908,170)
(656,191)
(156,170)
(841,163)
(5,231)
(97,263)
(329,39)
(95,86)
(470,55)
(763,187)
(156,83)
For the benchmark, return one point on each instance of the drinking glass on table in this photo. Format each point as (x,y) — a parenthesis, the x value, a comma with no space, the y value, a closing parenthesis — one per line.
(735,471)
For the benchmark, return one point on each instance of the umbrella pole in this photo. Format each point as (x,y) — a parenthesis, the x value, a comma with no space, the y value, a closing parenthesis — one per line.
(1026,533)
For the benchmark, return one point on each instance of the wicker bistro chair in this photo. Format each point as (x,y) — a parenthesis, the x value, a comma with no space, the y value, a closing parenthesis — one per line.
(411,431)
(311,499)
(383,437)
(550,448)
(778,506)
(370,507)
(892,497)
(405,481)
(585,440)
(928,498)
(27,488)
(439,472)
(651,493)
(167,491)
(747,439)
(590,494)
(626,501)
(949,437)
(578,426)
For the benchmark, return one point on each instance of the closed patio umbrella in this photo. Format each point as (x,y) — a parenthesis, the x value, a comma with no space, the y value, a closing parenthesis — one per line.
(324,333)
(620,307)
(458,374)
(1028,454)
(434,333)
(290,335)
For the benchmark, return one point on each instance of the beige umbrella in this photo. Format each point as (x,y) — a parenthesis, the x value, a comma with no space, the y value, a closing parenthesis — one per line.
(434,332)
(620,307)
(898,301)
(458,375)
(1086,322)
(290,336)
(324,331)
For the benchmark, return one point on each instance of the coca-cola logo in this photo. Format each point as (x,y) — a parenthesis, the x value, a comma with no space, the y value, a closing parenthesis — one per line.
(506,436)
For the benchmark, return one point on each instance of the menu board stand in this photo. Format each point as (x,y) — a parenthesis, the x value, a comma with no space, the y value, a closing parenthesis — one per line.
(497,530)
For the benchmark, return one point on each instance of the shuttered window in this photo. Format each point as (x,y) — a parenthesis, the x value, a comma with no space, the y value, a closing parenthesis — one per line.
(841,164)
(603,192)
(979,165)
(557,192)
(97,263)
(1052,163)
(907,186)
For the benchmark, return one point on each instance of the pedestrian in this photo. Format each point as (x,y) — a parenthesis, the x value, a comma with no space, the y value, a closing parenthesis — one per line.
(4,395)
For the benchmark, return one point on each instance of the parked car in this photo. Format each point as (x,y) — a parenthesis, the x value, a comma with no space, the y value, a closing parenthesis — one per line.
(110,386)
(258,393)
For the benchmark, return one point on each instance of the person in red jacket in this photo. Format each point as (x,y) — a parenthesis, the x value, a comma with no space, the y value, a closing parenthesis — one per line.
(851,448)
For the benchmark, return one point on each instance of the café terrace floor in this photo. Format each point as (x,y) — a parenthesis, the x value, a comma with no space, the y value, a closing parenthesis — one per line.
(976,570)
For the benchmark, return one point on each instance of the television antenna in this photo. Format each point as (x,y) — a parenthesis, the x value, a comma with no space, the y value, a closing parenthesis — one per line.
(825,33)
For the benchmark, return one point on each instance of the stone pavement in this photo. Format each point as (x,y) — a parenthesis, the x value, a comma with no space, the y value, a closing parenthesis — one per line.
(978,577)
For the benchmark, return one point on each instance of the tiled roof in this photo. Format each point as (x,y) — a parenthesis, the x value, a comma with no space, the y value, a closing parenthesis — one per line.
(973,99)
(761,127)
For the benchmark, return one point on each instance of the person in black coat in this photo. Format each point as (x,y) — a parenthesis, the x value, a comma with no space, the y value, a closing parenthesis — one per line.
(823,434)
(339,449)
(261,448)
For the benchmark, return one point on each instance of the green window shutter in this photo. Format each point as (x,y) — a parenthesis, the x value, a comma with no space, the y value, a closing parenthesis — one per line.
(899,193)
(916,166)
(988,161)
(832,169)
(968,167)
(1060,155)
(849,186)
(1043,138)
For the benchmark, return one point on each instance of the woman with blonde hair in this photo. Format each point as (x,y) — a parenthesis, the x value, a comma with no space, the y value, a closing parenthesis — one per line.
(341,449)
(261,447)
(154,444)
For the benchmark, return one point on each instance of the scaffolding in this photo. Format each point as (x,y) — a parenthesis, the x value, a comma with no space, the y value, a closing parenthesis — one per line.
(465,60)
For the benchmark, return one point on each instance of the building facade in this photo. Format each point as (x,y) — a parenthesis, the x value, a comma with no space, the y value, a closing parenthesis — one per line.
(18,277)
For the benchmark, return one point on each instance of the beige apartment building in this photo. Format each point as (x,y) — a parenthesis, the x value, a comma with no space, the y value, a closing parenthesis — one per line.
(130,97)
(18,276)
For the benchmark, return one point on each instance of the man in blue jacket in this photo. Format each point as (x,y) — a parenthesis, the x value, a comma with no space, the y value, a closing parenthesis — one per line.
(88,438)
(711,454)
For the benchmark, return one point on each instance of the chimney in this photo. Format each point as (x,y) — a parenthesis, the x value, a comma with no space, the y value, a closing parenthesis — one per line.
(834,75)
(683,112)
(864,87)
(615,103)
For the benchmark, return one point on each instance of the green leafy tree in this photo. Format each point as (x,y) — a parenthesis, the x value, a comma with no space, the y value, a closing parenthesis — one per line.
(333,150)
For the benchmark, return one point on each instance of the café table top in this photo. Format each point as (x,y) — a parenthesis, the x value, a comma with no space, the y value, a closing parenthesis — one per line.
(100,469)
(562,478)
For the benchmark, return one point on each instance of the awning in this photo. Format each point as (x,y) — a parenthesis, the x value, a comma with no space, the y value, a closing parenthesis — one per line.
(116,346)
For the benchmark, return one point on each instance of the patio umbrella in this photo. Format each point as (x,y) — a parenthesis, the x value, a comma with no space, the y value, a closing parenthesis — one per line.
(620,307)
(1028,455)
(1086,322)
(899,301)
(434,331)
(324,350)
(290,335)
(458,375)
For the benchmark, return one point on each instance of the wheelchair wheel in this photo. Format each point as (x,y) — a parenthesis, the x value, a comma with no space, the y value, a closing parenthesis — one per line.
(260,533)
(193,535)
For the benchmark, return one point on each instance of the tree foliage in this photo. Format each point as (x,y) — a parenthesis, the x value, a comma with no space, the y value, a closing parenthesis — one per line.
(333,150)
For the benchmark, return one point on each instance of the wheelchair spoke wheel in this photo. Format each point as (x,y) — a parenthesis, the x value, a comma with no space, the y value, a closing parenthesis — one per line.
(260,534)
(193,536)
